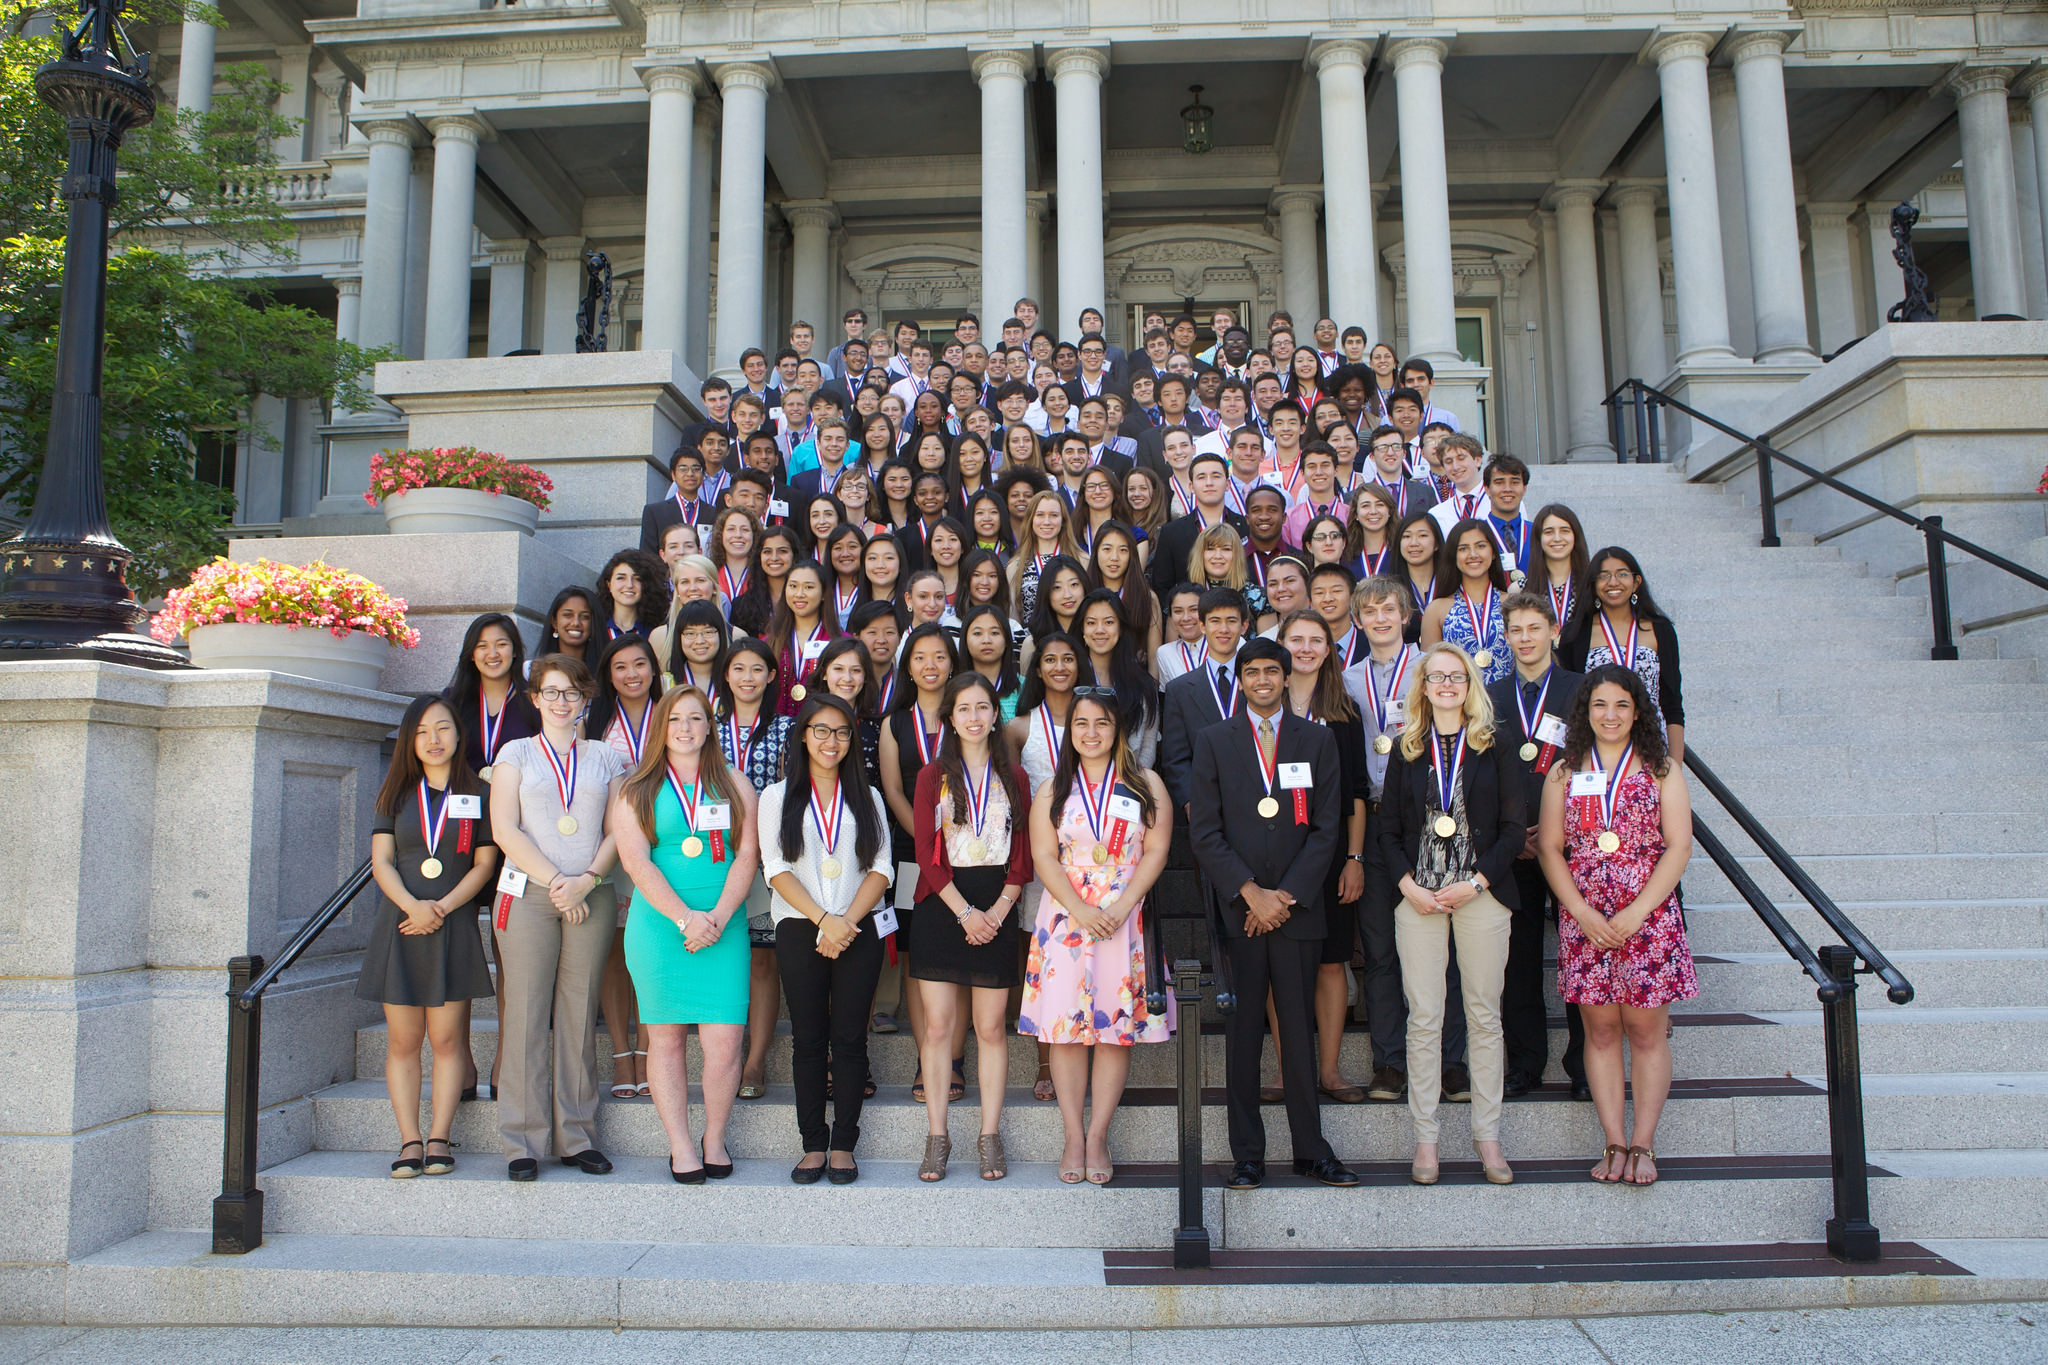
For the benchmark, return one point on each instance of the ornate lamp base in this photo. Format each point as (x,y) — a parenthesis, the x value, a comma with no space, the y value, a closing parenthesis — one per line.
(61,600)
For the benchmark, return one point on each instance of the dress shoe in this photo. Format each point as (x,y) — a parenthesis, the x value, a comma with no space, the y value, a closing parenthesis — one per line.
(843,1175)
(524,1169)
(1388,1083)
(1246,1175)
(695,1177)
(807,1175)
(1581,1091)
(592,1162)
(1516,1084)
(1326,1170)
(1457,1084)
(718,1170)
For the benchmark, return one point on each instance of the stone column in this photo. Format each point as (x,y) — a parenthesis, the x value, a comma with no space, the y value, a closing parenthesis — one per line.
(697,320)
(1681,59)
(743,171)
(453,235)
(510,262)
(561,293)
(1997,278)
(1834,274)
(1888,282)
(384,213)
(1585,370)
(1733,204)
(348,321)
(1036,206)
(2027,181)
(810,281)
(1003,76)
(1077,74)
(195,65)
(1348,236)
(1299,294)
(1777,285)
(1425,198)
(671,119)
(2033,88)
(1642,281)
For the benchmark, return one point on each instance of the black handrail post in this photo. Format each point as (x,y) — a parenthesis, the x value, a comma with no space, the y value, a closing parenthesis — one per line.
(1767,497)
(1851,1234)
(1190,1238)
(1642,406)
(1937,590)
(238,1212)
(1656,437)
(1615,427)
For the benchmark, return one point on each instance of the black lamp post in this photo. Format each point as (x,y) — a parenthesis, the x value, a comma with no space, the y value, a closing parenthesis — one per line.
(63,587)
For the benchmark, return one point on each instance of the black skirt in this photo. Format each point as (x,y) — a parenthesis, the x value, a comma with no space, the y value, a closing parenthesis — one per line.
(939,950)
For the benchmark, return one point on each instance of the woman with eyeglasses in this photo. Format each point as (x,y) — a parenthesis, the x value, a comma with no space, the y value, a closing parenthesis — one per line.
(751,739)
(1451,826)
(1617,622)
(551,797)
(825,851)
(701,636)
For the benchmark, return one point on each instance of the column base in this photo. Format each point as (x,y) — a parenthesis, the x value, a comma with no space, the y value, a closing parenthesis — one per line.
(1598,452)
(1732,390)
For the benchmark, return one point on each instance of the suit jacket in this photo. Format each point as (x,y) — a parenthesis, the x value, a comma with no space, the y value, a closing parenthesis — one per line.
(1152,441)
(657,516)
(1076,391)
(1235,844)
(1494,808)
(1507,721)
(1187,706)
(1176,541)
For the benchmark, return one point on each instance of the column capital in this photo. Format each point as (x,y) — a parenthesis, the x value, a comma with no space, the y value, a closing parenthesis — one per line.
(1829,215)
(811,213)
(1747,43)
(998,63)
(464,128)
(666,73)
(1573,193)
(1419,49)
(1037,203)
(744,76)
(1339,52)
(1668,45)
(562,248)
(1969,79)
(1305,197)
(1636,190)
(1094,60)
(2033,82)
(389,132)
(517,251)
(348,286)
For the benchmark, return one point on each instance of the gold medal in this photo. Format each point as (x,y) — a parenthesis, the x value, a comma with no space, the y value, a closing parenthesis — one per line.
(566,825)
(1445,827)
(1609,841)
(1100,853)
(484,772)
(829,868)
(1484,658)
(1268,807)
(693,847)
(1383,745)
(973,850)
(799,692)
(430,868)
(1529,752)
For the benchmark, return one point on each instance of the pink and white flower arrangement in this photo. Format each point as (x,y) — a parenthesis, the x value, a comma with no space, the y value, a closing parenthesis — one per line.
(314,596)
(399,471)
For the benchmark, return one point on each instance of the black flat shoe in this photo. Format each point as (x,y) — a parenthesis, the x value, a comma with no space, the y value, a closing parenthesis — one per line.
(695,1177)
(806,1175)
(843,1175)
(1246,1175)
(524,1169)
(1326,1170)
(1515,1085)
(592,1162)
(468,1093)
(1581,1091)
(718,1170)
(406,1167)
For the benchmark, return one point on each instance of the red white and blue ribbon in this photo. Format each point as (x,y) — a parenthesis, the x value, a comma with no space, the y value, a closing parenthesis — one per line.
(1095,800)
(1053,734)
(828,829)
(1481,617)
(636,735)
(1446,777)
(1626,659)
(977,801)
(689,796)
(1612,792)
(565,773)
(732,587)
(491,725)
(430,832)
(1378,699)
(927,742)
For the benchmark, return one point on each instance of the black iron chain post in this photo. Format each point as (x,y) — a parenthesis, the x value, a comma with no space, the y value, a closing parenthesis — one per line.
(238,1212)
(1851,1234)
(1190,1238)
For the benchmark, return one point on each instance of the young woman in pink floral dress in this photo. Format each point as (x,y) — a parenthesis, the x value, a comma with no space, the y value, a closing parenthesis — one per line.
(1099,835)
(1615,836)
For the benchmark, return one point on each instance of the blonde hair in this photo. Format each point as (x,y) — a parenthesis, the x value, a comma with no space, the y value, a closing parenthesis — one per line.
(1421,715)
(1222,533)
(1028,546)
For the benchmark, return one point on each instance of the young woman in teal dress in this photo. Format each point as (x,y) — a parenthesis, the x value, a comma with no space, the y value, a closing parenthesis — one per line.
(685,826)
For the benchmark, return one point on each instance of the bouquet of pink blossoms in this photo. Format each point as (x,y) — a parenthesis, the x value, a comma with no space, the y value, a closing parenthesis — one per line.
(316,595)
(398,471)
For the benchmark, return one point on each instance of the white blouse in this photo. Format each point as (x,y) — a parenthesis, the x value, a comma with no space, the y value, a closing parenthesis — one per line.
(834,897)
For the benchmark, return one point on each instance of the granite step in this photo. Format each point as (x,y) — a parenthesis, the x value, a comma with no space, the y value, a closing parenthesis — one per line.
(1892,925)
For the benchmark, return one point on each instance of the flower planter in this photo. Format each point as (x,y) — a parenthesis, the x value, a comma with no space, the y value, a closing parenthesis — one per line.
(356,660)
(437,511)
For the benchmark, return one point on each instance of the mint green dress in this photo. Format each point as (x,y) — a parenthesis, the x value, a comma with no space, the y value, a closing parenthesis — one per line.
(674,985)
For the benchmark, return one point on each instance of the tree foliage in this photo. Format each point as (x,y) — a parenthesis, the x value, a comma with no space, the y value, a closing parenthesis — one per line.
(189,347)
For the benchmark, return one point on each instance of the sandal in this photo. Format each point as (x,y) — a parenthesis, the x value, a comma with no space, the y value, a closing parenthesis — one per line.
(916,1085)
(1101,1175)
(406,1167)
(958,1090)
(622,1090)
(1635,1156)
(646,1087)
(937,1147)
(753,1091)
(440,1165)
(1607,1155)
(1072,1175)
(1041,1089)
(994,1163)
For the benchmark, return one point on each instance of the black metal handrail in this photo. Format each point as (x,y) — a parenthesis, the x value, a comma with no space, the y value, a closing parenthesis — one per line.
(238,1212)
(1647,397)
(1850,1233)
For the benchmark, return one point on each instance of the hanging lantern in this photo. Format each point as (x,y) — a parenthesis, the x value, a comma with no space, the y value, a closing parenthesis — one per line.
(1196,118)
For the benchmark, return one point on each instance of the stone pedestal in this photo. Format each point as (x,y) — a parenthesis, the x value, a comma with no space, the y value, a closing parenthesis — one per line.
(159,824)
(1735,390)
(591,421)
(1457,388)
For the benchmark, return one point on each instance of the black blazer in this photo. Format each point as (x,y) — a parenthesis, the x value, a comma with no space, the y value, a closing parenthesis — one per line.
(1507,723)
(1168,565)
(1498,814)
(1235,844)
(1187,706)
(1573,649)
(657,516)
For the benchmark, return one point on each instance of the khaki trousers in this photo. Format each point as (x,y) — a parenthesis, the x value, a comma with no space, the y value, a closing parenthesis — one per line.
(1423,941)
(551,969)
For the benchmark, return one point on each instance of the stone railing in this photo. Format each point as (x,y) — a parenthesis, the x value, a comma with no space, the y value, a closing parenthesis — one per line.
(300,183)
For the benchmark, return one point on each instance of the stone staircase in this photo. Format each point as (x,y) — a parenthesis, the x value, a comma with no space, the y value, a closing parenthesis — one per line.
(1911,790)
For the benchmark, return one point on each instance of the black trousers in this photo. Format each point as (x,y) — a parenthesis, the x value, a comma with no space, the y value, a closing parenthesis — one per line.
(1524,1025)
(1288,968)
(828,1006)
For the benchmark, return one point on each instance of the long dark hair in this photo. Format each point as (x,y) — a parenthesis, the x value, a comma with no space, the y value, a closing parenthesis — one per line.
(1069,765)
(1137,692)
(1647,733)
(1449,577)
(605,705)
(770,697)
(652,608)
(1006,667)
(972,561)
(953,767)
(1032,695)
(1642,604)
(1043,622)
(1141,608)
(406,770)
(781,633)
(853,783)
(551,643)
(830,654)
(1004,536)
(467,682)
(697,614)
(906,686)
(1538,570)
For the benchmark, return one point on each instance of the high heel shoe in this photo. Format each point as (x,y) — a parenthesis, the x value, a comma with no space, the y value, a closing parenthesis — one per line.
(1424,1175)
(695,1177)
(1502,1174)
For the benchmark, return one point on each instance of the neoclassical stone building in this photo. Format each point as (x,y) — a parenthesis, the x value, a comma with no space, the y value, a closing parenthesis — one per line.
(1543,197)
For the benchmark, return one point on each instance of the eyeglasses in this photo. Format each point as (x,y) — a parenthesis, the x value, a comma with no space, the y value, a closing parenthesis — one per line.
(1439,679)
(1388,445)
(837,732)
(1613,576)
(1096,693)
(568,694)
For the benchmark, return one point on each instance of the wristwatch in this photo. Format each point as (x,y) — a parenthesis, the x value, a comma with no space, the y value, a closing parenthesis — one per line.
(1477,885)
(1356,857)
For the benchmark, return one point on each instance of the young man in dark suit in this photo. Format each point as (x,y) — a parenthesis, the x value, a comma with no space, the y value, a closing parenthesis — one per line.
(1209,476)
(1266,809)
(1529,709)
(1203,695)
(680,503)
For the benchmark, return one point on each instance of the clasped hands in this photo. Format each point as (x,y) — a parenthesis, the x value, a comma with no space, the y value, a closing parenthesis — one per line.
(424,917)
(1440,902)
(1264,911)
(570,902)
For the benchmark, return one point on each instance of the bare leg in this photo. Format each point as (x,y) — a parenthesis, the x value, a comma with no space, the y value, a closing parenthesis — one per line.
(721,1084)
(668,1071)
(1330,1022)
(444,1030)
(1604,1076)
(1112,1069)
(940,1001)
(1070,1085)
(1649,1045)
(405,1030)
(764,1002)
(621,1009)
(992,1054)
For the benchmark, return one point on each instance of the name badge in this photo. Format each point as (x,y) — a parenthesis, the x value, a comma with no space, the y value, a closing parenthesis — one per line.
(906,887)
(1396,716)
(1550,730)
(465,807)
(714,815)
(1589,784)
(1123,808)
(885,920)
(511,881)
(1294,775)
(813,648)
(777,507)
